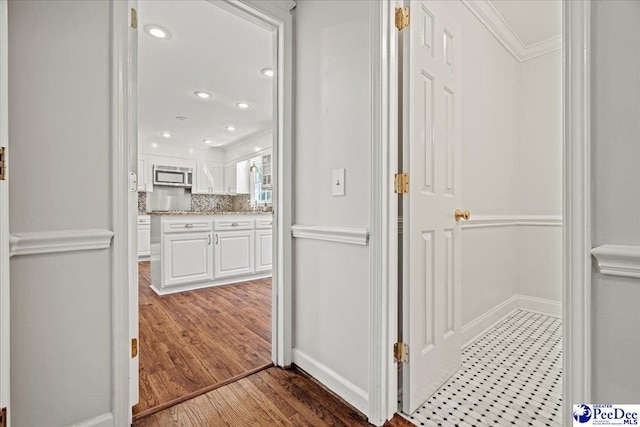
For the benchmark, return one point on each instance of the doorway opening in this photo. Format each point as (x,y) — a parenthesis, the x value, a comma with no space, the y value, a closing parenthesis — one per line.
(207,96)
(481,293)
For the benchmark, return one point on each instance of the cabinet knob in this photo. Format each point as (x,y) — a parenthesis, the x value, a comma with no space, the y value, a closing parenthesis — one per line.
(458,215)
(234,224)
(188,226)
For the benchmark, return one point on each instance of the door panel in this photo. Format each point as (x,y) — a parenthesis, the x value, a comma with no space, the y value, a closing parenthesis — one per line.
(431,111)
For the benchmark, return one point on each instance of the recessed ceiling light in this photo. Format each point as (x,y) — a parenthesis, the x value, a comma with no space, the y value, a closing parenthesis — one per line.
(154,145)
(242,105)
(230,128)
(158,32)
(257,149)
(202,94)
(267,72)
(165,134)
(207,141)
(190,150)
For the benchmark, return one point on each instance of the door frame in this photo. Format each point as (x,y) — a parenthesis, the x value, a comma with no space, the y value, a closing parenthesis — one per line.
(5,317)
(577,263)
(274,14)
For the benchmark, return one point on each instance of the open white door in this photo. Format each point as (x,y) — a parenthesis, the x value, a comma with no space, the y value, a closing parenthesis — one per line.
(5,373)
(134,366)
(432,142)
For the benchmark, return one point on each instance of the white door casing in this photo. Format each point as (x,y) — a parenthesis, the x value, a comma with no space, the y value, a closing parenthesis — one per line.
(432,147)
(4,218)
(132,128)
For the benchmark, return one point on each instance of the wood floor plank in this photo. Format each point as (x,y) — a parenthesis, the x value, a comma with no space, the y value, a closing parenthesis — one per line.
(273,397)
(191,341)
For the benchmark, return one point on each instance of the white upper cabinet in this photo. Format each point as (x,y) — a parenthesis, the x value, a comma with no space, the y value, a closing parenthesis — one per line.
(209,179)
(243,177)
(230,179)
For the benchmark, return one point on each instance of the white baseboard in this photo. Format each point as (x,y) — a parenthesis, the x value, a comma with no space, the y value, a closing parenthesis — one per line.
(476,328)
(354,395)
(539,305)
(480,325)
(104,420)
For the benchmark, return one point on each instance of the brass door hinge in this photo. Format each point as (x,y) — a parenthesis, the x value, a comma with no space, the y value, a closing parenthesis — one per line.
(401,183)
(402,18)
(134,18)
(400,352)
(3,417)
(3,163)
(134,347)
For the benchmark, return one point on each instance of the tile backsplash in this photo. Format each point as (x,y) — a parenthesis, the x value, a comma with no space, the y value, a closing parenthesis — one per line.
(206,203)
(211,202)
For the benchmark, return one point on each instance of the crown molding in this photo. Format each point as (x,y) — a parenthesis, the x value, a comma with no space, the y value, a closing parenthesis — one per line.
(48,242)
(495,23)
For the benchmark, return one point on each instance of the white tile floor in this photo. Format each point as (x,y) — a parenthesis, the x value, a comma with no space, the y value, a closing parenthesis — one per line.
(511,376)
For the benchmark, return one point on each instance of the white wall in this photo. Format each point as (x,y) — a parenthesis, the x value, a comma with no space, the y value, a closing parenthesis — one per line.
(539,177)
(616,196)
(332,130)
(59,73)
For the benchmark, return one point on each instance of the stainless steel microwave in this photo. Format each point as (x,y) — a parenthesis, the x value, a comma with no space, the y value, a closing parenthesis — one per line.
(173,176)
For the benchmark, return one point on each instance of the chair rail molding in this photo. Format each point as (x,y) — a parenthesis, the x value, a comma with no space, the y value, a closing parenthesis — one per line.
(495,23)
(354,236)
(618,260)
(48,242)
(492,221)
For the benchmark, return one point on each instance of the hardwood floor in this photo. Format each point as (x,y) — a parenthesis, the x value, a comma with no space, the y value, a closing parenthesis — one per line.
(191,342)
(273,397)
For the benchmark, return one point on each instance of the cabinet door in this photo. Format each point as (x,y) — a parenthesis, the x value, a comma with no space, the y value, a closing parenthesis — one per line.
(187,258)
(144,241)
(264,248)
(230,179)
(209,179)
(142,175)
(234,253)
(243,184)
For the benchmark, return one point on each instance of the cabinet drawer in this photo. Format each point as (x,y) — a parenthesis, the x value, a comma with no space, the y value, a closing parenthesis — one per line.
(186,226)
(264,222)
(233,224)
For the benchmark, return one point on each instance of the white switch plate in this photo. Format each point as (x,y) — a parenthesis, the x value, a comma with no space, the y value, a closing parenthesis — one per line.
(337,182)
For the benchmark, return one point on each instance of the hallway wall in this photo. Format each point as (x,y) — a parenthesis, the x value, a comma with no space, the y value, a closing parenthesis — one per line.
(59,77)
(332,129)
(615,131)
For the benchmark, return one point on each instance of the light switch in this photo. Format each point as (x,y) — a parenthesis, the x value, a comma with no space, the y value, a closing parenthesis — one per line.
(337,182)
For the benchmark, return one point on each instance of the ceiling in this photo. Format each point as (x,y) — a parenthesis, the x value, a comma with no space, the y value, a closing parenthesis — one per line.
(212,50)
(533,21)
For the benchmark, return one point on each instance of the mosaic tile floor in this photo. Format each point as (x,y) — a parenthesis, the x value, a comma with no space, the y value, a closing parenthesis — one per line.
(511,376)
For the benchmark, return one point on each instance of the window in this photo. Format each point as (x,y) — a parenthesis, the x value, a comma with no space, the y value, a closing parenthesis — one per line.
(258,194)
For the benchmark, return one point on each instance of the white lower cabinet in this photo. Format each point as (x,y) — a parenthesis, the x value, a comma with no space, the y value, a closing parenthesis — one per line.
(234,253)
(264,248)
(144,236)
(187,258)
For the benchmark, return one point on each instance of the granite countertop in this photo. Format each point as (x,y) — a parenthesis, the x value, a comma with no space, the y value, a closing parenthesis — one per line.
(190,213)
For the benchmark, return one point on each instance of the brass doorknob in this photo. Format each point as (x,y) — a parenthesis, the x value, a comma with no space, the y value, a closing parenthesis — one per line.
(458,214)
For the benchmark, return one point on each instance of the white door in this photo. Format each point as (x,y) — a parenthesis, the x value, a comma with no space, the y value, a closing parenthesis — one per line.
(4,217)
(187,258)
(134,361)
(234,254)
(432,158)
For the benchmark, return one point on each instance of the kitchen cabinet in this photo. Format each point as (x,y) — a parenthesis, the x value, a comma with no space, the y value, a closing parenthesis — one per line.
(145,183)
(144,236)
(264,249)
(187,257)
(234,253)
(209,179)
(230,179)
(243,178)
